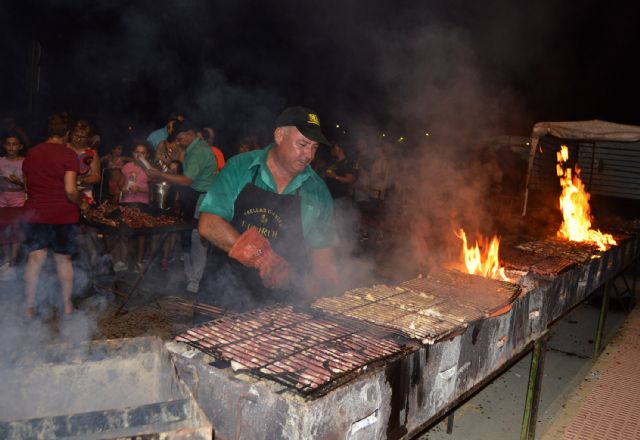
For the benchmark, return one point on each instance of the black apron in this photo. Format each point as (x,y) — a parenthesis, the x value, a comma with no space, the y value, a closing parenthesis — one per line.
(229,284)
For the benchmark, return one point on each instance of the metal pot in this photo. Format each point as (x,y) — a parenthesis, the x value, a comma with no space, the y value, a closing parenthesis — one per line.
(159,195)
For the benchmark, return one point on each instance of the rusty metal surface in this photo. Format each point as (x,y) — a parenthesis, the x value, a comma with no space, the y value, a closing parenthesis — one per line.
(399,399)
(292,348)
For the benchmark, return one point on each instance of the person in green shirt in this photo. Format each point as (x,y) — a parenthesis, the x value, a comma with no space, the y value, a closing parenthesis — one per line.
(270,218)
(199,171)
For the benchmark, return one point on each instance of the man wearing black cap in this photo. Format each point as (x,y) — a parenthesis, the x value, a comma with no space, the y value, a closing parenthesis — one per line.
(270,217)
(199,170)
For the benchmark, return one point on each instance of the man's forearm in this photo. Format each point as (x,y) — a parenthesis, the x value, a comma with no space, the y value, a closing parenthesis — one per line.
(217,231)
(177,179)
(74,197)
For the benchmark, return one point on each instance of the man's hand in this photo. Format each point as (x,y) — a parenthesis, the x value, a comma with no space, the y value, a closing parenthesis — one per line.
(253,250)
(14,179)
(154,174)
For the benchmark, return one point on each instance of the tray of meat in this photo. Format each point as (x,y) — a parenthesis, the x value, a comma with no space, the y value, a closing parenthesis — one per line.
(134,219)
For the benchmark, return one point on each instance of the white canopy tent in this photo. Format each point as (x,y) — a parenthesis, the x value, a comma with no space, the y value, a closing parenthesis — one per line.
(594,130)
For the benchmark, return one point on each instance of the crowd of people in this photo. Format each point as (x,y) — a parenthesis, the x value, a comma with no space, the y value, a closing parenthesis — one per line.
(268,219)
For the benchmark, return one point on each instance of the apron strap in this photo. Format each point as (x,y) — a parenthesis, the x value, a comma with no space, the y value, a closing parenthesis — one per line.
(255,175)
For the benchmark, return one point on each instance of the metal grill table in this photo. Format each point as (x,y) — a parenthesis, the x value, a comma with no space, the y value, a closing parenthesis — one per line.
(125,231)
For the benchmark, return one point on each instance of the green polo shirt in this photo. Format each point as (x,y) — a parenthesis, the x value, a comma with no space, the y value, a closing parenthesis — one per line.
(200,166)
(318,225)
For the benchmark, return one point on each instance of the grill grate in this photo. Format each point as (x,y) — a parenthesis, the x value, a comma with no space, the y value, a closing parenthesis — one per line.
(290,347)
(557,247)
(541,264)
(427,309)
(473,291)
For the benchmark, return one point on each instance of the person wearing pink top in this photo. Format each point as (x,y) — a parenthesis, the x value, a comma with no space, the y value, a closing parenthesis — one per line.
(11,196)
(134,183)
(11,181)
(134,189)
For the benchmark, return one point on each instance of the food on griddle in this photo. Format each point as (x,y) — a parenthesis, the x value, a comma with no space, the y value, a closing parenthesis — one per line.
(453,312)
(426,308)
(115,215)
(426,328)
(374,293)
(376,313)
(412,301)
(578,252)
(340,304)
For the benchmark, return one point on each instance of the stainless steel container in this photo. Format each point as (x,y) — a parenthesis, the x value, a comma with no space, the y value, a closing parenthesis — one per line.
(159,195)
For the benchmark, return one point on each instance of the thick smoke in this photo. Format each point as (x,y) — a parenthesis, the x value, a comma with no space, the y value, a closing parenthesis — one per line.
(446,180)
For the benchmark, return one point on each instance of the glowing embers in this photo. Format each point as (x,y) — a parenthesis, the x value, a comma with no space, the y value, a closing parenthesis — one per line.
(483,258)
(574,204)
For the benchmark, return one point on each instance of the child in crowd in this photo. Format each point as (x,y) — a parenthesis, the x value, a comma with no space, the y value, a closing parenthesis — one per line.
(89,173)
(114,162)
(11,196)
(134,187)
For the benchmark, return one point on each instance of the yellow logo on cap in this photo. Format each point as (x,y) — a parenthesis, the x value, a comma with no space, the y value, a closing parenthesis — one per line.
(313,119)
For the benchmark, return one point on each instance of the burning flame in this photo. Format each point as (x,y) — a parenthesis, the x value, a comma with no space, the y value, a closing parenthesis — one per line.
(482,259)
(574,203)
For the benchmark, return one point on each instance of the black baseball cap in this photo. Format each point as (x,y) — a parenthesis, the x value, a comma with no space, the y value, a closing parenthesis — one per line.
(305,120)
(185,125)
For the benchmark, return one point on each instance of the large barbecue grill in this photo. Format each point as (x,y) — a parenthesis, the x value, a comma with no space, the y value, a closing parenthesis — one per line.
(322,382)
(314,354)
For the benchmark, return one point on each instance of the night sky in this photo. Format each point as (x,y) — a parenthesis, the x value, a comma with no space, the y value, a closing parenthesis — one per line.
(450,67)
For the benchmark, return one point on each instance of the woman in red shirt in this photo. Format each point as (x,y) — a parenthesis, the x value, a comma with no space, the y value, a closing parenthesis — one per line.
(51,210)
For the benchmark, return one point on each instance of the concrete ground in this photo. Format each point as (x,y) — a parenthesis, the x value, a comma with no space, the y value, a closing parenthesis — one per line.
(496,412)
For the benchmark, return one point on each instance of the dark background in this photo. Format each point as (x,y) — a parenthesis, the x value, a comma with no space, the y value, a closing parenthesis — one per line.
(452,68)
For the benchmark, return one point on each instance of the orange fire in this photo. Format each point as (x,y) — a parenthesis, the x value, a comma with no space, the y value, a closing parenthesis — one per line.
(574,203)
(482,259)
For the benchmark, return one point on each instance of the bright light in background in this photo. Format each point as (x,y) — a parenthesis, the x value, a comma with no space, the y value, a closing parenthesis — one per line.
(384,135)
(427,134)
(337,125)
(528,143)
(401,139)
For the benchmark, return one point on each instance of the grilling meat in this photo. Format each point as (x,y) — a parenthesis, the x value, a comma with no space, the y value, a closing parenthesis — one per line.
(116,215)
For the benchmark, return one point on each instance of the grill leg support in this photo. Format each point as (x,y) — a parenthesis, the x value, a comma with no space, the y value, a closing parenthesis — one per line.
(142,273)
(450,422)
(634,272)
(601,320)
(532,401)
